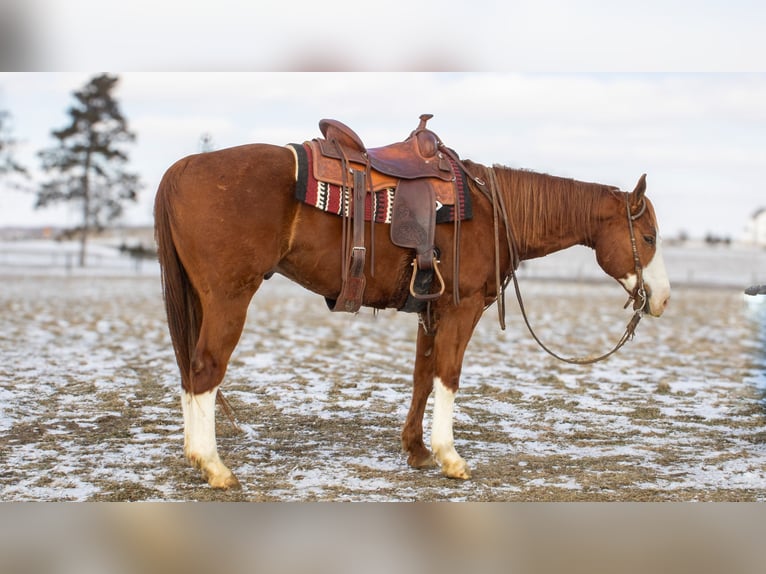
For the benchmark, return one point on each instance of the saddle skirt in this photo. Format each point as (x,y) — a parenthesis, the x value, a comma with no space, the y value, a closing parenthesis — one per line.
(327,166)
(379,204)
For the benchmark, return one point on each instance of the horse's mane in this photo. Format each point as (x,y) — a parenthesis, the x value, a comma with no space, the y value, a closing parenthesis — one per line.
(541,205)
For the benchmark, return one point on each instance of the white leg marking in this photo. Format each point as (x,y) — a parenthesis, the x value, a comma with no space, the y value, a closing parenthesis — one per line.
(442,441)
(199,438)
(441,431)
(199,421)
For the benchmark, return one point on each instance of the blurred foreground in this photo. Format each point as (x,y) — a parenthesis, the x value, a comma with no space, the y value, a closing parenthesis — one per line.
(426,539)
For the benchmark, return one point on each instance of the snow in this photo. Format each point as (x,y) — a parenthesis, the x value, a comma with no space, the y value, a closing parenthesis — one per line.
(89,395)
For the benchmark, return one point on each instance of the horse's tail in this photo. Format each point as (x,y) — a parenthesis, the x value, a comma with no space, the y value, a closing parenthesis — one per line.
(182,304)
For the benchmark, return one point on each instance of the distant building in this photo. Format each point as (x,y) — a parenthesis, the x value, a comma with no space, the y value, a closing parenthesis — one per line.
(755,229)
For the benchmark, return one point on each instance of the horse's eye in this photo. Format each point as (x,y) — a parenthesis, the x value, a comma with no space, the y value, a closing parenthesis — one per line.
(650,240)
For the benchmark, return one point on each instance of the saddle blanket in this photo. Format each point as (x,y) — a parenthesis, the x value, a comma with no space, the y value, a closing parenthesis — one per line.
(378,206)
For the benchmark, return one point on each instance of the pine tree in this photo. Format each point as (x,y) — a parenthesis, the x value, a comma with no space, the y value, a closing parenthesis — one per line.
(8,164)
(87,164)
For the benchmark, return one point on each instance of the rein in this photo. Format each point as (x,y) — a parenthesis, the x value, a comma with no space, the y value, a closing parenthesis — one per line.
(638,297)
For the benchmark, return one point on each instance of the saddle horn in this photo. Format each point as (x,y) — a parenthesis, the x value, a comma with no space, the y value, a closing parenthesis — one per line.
(423,119)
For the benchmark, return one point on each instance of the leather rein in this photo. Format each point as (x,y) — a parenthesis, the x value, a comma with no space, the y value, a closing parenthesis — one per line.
(638,297)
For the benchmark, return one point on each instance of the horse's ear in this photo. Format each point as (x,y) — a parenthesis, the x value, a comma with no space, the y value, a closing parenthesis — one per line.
(637,195)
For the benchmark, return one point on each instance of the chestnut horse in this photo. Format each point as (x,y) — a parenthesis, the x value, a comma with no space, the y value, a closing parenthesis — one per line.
(227,220)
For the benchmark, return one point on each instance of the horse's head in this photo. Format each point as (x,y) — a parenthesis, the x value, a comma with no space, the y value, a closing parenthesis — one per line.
(628,248)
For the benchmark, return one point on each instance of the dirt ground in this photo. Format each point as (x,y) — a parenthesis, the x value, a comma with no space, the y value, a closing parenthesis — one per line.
(90,409)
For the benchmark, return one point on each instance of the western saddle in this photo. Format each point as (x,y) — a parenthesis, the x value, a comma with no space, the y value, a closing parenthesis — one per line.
(420,171)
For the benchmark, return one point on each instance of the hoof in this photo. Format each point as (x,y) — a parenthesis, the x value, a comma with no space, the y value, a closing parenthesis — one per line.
(224,482)
(215,472)
(421,461)
(456,469)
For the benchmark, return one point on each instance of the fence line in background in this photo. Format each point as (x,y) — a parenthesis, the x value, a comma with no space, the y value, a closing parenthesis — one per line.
(713,267)
(68,261)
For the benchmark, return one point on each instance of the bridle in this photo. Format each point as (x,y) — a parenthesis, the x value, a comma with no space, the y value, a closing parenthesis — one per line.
(638,296)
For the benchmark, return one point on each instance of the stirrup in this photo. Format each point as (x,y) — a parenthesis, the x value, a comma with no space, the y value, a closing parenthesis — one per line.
(426,296)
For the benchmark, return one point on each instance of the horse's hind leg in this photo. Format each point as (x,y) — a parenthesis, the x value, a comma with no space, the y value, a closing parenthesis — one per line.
(222,323)
(199,438)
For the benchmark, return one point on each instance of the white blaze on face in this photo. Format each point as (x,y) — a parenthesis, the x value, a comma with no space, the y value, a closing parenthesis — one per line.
(656,282)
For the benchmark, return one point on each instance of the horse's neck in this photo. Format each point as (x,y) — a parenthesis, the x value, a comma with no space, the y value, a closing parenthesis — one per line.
(549,213)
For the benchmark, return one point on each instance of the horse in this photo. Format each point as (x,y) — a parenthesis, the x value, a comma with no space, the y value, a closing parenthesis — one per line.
(227,220)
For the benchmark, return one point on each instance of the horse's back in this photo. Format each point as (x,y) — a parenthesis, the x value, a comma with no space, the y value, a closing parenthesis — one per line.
(231,183)
(229,167)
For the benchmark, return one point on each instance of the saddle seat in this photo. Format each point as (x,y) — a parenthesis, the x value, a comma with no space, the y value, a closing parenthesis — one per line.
(415,157)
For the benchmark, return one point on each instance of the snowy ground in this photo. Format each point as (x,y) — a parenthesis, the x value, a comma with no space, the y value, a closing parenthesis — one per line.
(89,405)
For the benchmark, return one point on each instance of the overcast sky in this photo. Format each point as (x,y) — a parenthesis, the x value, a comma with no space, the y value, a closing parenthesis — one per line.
(700,134)
(527,35)
(701,138)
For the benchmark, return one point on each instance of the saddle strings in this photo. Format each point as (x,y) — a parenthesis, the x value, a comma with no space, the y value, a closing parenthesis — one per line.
(368,180)
(345,212)
(499,210)
(458,164)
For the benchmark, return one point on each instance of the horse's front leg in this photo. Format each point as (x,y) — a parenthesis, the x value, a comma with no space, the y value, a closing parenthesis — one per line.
(455,327)
(422,384)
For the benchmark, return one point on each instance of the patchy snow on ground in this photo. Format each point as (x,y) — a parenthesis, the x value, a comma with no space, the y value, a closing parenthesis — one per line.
(90,408)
